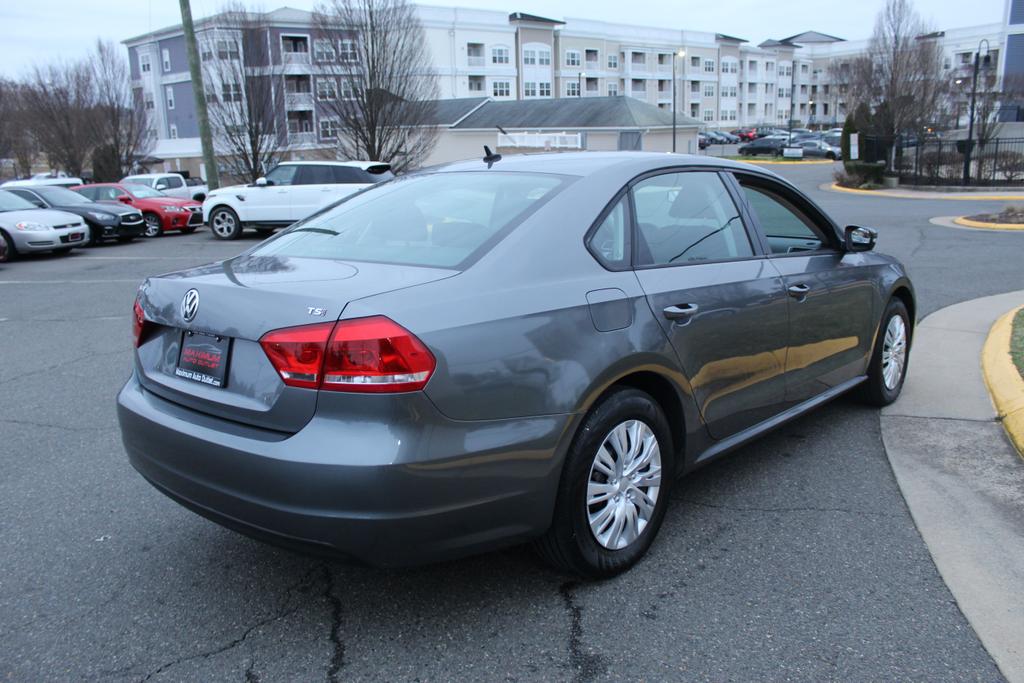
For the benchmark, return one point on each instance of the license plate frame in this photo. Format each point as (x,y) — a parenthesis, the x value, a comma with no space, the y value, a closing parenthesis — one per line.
(203,358)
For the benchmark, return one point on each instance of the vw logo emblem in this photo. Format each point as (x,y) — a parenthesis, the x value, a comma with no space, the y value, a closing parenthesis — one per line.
(190,305)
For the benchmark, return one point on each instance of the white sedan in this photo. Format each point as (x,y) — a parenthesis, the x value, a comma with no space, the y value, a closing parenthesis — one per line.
(25,228)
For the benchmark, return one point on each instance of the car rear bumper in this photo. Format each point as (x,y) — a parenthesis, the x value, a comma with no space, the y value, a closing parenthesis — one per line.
(412,488)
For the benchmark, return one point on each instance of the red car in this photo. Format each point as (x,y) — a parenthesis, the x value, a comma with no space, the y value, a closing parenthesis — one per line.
(160,212)
(745,134)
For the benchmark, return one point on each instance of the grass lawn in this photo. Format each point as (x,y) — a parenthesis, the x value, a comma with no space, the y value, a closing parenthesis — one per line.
(1017,341)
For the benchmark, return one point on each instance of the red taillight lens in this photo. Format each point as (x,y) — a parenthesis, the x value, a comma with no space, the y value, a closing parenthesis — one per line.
(298,353)
(365,354)
(138,323)
(376,355)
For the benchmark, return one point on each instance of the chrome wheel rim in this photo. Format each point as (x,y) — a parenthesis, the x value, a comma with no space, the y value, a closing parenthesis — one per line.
(223,223)
(894,352)
(622,490)
(152,226)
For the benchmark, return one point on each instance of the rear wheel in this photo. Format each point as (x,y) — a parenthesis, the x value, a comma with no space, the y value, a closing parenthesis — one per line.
(10,253)
(225,224)
(614,487)
(153,225)
(888,368)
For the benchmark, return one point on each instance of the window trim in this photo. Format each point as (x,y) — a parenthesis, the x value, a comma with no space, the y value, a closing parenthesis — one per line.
(588,236)
(822,224)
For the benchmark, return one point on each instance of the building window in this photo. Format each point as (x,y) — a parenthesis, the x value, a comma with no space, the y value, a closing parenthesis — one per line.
(347,51)
(227,49)
(529,57)
(323,50)
(572,58)
(499,55)
(613,90)
(144,65)
(572,89)
(148,101)
(173,130)
(709,90)
(530,89)
(347,92)
(613,61)
(326,89)
(592,57)
(695,62)
(476,83)
(231,92)
(329,129)
(709,114)
(167,60)
(769,67)
(544,89)
(544,57)
(803,69)
(169,97)
(709,65)
(501,88)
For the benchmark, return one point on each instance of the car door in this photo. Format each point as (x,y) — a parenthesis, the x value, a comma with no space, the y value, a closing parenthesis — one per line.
(719,300)
(313,188)
(831,301)
(270,203)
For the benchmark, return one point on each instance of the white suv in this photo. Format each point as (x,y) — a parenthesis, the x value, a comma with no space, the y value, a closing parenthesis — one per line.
(291,191)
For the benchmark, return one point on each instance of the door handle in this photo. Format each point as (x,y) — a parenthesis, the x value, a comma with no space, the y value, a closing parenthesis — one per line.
(682,312)
(798,291)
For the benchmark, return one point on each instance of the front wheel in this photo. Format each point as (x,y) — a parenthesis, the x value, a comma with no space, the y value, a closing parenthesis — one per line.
(888,367)
(154,228)
(9,253)
(614,488)
(225,224)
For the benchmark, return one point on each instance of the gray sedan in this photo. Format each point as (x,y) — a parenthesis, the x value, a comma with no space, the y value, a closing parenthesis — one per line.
(501,351)
(25,229)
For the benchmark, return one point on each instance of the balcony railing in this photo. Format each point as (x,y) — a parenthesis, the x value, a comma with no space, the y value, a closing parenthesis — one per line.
(295,100)
(541,140)
(295,57)
(475,60)
(301,138)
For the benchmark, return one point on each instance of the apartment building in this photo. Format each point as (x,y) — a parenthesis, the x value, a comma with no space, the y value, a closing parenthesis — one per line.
(720,80)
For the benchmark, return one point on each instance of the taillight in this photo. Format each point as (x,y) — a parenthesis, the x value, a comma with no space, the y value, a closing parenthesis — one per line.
(364,354)
(298,353)
(138,323)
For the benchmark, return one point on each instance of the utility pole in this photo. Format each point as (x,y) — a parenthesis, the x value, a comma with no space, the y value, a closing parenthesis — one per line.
(199,94)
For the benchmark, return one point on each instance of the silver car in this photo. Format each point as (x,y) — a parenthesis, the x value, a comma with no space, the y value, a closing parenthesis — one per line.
(500,351)
(24,228)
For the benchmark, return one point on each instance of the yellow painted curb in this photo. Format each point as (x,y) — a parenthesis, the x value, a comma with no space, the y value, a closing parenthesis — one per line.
(968,223)
(958,196)
(1004,381)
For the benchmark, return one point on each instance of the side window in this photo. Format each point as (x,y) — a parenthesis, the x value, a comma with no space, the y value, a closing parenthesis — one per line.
(787,228)
(282,175)
(314,174)
(89,193)
(173,181)
(348,175)
(30,196)
(687,218)
(610,242)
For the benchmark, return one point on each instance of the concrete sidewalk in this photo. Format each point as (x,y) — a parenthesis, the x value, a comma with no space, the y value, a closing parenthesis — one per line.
(961,478)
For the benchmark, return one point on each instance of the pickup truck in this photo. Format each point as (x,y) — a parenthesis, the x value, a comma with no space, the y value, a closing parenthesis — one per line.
(171,184)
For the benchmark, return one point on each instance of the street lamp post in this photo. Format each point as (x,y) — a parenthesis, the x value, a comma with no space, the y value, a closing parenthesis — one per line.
(957,82)
(680,53)
(970,117)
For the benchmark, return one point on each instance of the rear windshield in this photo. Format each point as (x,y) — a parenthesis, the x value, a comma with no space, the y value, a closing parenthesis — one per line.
(440,220)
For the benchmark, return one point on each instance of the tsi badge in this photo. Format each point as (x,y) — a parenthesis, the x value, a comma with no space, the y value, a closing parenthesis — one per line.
(319,312)
(190,305)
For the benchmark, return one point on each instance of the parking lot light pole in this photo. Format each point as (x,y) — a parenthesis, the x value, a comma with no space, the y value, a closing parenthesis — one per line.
(958,82)
(680,53)
(970,117)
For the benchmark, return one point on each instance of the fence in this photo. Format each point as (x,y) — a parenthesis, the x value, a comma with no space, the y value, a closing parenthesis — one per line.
(941,162)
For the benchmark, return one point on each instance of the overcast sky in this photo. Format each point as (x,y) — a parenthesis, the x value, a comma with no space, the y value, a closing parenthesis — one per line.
(38,30)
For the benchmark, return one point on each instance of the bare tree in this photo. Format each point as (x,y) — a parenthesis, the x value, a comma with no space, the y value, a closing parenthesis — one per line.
(240,74)
(63,120)
(384,102)
(899,76)
(123,125)
(21,143)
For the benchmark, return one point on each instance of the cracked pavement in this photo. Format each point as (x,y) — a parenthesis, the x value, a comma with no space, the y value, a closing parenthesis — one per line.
(793,559)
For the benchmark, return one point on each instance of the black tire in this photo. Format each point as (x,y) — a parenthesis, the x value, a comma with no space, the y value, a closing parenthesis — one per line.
(95,236)
(126,239)
(224,224)
(10,253)
(264,232)
(569,543)
(830,156)
(154,226)
(189,229)
(875,391)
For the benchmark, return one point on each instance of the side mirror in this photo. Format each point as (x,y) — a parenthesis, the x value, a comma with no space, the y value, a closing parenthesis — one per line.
(859,238)
(161,186)
(125,198)
(261,182)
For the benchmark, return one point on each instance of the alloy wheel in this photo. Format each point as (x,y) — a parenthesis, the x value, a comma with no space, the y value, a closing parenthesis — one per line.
(894,352)
(622,490)
(223,223)
(152,225)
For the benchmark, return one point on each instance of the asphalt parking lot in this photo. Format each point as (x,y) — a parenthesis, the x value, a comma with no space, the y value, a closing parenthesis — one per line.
(794,559)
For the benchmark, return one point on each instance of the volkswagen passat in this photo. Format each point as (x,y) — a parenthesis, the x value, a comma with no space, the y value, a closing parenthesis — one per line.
(489,353)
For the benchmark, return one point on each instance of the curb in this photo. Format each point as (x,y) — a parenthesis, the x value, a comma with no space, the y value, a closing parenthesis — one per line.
(1004,382)
(968,223)
(816,162)
(959,196)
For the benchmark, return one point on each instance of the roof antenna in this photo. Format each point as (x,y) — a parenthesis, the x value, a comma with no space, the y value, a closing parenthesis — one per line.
(490,157)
